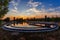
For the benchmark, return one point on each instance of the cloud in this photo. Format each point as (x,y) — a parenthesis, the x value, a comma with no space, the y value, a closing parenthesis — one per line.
(33,10)
(59,7)
(52,9)
(43,11)
(50,4)
(14,11)
(33,4)
(15,3)
(56,9)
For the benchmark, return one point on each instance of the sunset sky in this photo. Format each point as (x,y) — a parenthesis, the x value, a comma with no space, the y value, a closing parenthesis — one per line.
(33,8)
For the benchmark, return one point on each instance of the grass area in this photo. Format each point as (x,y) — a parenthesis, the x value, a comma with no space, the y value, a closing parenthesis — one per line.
(6,35)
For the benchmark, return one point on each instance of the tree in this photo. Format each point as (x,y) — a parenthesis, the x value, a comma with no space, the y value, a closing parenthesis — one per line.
(7,19)
(45,17)
(3,8)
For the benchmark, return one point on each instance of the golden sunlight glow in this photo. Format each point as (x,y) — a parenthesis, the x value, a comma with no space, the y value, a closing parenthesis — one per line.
(30,16)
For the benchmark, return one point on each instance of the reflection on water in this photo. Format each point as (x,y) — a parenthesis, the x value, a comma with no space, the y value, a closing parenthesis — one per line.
(22,24)
(30,24)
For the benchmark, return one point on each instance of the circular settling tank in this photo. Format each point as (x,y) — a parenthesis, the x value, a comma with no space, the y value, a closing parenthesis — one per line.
(30,27)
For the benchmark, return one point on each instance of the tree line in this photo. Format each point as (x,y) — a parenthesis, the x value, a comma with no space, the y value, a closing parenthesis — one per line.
(47,19)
